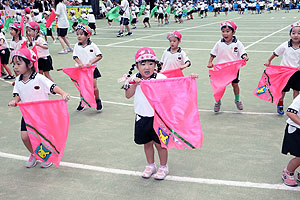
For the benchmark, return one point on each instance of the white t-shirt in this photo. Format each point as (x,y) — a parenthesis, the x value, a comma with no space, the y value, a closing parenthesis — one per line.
(87,53)
(41,52)
(37,88)
(37,18)
(4,45)
(290,56)
(147,13)
(62,21)
(142,106)
(171,60)
(16,45)
(125,7)
(228,52)
(91,18)
(294,108)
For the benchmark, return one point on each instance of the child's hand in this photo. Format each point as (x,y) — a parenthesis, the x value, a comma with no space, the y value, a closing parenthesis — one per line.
(80,65)
(267,64)
(88,65)
(245,58)
(12,103)
(182,67)
(66,96)
(37,44)
(210,65)
(137,80)
(194,76)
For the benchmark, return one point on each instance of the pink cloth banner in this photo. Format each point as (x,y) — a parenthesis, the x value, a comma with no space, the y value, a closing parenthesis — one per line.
(50,19)
(272,82)
(222,75)
(176,118)
(47,123)
(37,57)
(173,73)
(83,79)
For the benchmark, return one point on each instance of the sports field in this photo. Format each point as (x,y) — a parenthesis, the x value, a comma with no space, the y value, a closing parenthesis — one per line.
(240,157)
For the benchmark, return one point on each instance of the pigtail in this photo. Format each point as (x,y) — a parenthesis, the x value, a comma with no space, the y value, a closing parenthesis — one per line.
(127,78)
(158,67)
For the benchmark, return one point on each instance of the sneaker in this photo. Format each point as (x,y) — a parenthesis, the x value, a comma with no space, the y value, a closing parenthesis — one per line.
(80,107)
(134,27)
(150,169)
(99,105)
(31,161)
(280,110)
(70,50)
(239,105)
(9,77)
(64,51)
(128,34)
(288,178)
(161,173)
(145,26)
(3,74)
(53,41)
(46,165)
(217,107)
(298,176)
(120,34)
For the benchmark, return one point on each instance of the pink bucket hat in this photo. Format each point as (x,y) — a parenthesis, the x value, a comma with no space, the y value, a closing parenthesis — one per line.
(145,53)
(33,25)
(174,34)
(229,24)
(15,26)
(25,53)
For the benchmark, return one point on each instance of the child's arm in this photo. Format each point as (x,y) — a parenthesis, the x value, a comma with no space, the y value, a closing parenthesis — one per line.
(270,60)
(1,42)
(80,64)
(187,64)
(294,117)
(64,95)
(41,45)
(131,90)
(94,61)
(13,103)
(210,64)
(245,57)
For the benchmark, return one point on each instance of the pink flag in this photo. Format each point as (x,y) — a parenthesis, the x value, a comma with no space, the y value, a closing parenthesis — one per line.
(84,81)
(222,75)
(272,82)
(22,26)
(37,57)
(176,118)
(50,19)
(47,123)
(173,73)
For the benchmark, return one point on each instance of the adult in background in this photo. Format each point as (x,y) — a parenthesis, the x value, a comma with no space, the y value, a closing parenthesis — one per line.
(62,25)
(124,19)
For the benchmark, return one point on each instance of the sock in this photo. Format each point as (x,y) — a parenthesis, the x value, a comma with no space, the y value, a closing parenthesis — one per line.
(152,164)
(280,103)
(237,97)
(164,165)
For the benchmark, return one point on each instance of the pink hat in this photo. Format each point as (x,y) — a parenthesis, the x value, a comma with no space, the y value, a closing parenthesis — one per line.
(15,26)
(85,28)
(229,24)
(174,34)
(33,25)
(297,24)
(145,53)
(27,10)
(25,53)
(1,25)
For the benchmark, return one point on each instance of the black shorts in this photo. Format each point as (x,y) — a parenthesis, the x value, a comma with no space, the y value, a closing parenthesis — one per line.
(92,26)
(124,21)
(45,64)
(291,141)
(160,16)
(133,21)
(23,125)
(4,55)
(146,19)
(226,9)
(166,15)
(155,14)
(201,12)
(206,10)
(294,82)
(242,9)
(237,78)
(96,73)
(75,24)
(49,32)
(62,32)
(143,130)
(179,16)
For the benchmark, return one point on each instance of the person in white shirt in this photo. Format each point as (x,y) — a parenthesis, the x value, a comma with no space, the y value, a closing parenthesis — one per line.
(4,54)
(147,17)
(92,20)
(124,19)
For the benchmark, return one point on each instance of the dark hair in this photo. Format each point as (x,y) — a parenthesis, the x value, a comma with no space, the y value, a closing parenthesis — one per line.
(228,27)
(56,2)
(27,62)
(20,36)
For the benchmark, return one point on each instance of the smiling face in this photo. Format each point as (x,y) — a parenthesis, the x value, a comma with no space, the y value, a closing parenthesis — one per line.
(295,35)
(227,34)
(146,68)
(174,42)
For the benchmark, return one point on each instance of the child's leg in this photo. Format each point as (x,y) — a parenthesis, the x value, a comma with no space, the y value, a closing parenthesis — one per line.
(61,40)
(52,38)
(26,141)
(280,101)
(295,93)
(293,164)
(7,69)
(236,88)
(149,152)
(162,153)
(96,90)
(46,38)
(47,74)
(66,41)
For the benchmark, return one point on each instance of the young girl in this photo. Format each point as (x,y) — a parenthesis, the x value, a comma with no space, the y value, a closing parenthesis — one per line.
(49,30)
(31,86)
(92,20)
(145,61)
(174,57)
(226,50)
(43,54)
(291,143)
(86,53)
(4,54)
(290,52)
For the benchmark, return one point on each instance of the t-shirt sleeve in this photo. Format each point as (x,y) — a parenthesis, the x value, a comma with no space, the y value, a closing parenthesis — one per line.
(162,60)
(47,84)
(185,58)
(16,91)
(242,51)
(58,10)
(295,106)
(42,41)
(97,50)
(214,51)
(279,50)
(75,52)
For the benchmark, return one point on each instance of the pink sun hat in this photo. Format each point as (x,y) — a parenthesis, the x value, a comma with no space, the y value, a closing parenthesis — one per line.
(145,53)
(174,34)
(229,24)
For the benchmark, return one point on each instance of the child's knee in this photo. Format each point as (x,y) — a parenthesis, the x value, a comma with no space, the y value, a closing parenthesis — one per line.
(24,136)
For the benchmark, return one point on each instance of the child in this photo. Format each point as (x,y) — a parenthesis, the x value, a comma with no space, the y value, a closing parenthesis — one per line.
(43,54)
(49,30)
(174,57)
(86,53)
(4,54)
(291,143)
(25,91)
(147,17)
(133,17)
(226,50)
(92,20)
(74,20)
(83,14)
(166,15)
(18,16)
(145,61)
(290,57)
(109,21)
(160,17)
(36,16)
(27,19)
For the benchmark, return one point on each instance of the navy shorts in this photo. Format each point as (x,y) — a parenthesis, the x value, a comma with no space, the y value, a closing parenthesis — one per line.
(96,73)
(45,64)
(124,21)
(143,130)
(23,125)
(62,32)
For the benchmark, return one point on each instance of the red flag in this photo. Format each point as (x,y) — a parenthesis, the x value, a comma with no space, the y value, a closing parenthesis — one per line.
(47,123)
(272,82)
(173,73)
(50,19)
(176,116)
(83,79)
(222,75)
(37,57)
(22,26)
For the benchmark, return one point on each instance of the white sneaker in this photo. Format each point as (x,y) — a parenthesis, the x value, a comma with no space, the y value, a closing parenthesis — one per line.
(64,51)
(70,50)
(31,161)
(46,165)
(150,169)
(161,173)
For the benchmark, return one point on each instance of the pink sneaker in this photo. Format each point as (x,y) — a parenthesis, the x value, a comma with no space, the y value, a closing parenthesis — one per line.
(46,165)
(288,178)
(31,161)
(298,176)
(150,169)
(161,173)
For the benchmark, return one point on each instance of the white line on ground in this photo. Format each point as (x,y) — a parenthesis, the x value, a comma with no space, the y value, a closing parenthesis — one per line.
(169,178)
